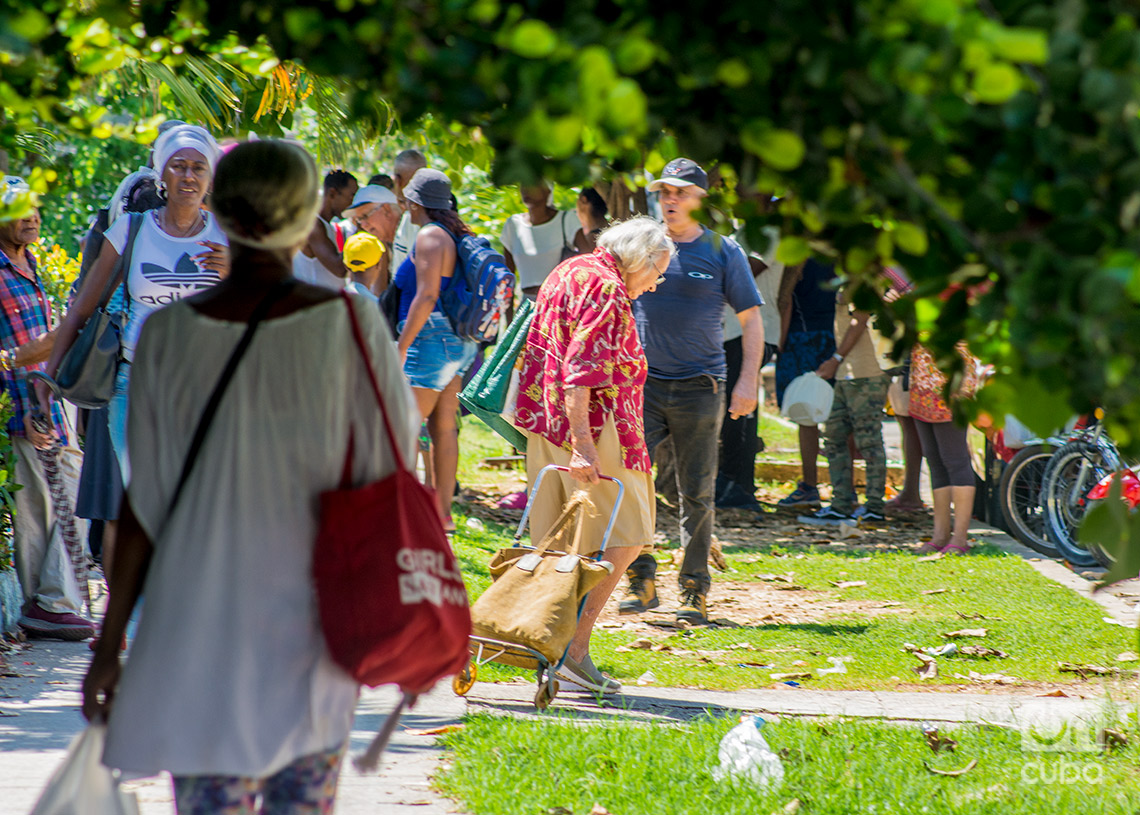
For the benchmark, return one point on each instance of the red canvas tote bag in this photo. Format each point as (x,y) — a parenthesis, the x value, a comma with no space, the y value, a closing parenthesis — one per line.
(392,602)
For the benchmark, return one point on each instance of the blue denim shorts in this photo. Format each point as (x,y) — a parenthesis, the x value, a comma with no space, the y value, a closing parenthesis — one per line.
(117,419)
(437,356)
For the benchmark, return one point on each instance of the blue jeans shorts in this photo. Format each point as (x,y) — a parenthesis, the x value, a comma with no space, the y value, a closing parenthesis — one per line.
(117,419)
(437,356)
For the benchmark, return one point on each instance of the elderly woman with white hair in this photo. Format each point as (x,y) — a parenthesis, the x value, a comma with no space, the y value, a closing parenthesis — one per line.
(580,403)
(178,249)
(229,685)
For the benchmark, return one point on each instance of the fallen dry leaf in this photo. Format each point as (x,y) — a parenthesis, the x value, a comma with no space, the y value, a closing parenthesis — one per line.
(936,591)
(436,731)
(741,646)
(928,558)
(1055,693)
(790,808)
(951,773)
(1128,656)
(848,584)
(937,742)
(976,616)
(794,754)
(786,677)
(724,622)
(966,632)
(850,531)
(928,669)
(716,555)
(1085,671)
(1111,739)
(599,810)
(642,644)
(982,651)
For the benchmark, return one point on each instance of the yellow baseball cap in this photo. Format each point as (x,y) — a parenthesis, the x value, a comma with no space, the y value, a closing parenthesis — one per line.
(362,251)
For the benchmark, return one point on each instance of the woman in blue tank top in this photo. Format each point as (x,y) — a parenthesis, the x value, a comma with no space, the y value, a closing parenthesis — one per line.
(434,358)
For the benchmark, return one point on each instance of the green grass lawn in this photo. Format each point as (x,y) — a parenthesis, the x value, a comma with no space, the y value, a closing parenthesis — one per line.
(502,766)
(1036,621)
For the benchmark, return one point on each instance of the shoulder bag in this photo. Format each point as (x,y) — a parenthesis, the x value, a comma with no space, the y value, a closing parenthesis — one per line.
(86,374)
(393,606)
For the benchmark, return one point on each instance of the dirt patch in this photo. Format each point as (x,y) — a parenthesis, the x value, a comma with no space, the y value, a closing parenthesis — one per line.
(735,604)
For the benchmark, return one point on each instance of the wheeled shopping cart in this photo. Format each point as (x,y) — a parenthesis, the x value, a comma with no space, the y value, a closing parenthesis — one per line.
(486,649)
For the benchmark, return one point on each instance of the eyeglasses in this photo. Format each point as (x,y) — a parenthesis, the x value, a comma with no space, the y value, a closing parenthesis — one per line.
(660,273)
(362,218)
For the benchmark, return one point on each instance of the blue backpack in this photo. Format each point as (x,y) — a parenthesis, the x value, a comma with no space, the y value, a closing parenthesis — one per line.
(480,289)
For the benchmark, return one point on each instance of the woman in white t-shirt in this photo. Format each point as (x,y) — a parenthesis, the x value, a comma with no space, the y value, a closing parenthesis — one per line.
(229,685)
(179,250)
(533,241)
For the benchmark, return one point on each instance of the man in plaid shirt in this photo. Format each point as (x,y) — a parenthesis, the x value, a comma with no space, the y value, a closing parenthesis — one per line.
(52,603)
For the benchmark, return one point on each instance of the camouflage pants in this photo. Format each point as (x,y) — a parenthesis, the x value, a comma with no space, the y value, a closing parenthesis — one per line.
(857,410)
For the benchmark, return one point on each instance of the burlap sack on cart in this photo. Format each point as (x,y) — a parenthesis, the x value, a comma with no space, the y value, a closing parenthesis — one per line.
(535,595)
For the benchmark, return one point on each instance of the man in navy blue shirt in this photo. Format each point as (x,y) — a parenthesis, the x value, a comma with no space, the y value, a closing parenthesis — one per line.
(683,335)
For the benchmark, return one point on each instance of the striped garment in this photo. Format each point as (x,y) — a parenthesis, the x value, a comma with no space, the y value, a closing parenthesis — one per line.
(26,316)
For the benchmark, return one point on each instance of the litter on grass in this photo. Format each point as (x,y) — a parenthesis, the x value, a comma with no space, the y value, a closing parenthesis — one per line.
(966,632)
(838,666)
(744,754)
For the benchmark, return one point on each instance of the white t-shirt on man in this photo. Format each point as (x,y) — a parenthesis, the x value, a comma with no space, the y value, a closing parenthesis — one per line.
(538,249)
(163,269)
(402,244)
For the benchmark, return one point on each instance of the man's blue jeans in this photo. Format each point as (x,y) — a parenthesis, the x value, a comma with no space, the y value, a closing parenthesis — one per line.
(689,411)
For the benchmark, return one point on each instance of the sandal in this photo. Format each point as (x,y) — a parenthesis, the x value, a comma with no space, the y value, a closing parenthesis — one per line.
(929,548)
(955,549)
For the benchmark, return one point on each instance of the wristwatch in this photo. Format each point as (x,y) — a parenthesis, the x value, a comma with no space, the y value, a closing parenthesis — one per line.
(838,357)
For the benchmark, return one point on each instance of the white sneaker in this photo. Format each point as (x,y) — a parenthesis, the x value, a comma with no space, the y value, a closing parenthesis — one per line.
(587,677)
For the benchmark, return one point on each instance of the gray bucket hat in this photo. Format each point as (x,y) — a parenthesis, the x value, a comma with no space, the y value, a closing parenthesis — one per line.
(430,189)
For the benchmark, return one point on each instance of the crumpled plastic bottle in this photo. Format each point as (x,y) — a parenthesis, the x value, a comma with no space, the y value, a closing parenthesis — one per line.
(744,754)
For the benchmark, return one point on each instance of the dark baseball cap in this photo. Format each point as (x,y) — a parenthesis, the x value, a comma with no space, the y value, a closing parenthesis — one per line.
(429,188)
(681,172)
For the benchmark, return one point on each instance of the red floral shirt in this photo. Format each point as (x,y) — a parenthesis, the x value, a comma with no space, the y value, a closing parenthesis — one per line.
(927,383)
(583,336)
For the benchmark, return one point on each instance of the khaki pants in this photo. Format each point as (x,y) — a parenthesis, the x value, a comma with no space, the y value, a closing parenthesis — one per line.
(42,563)
(637,516)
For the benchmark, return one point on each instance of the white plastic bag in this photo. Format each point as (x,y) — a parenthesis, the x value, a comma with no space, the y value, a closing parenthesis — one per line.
(83,785)
(1015,435)
(744,754)
(807,400)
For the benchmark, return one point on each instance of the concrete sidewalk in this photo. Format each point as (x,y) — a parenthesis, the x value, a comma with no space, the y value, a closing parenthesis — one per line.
(39,716)
(665,705)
